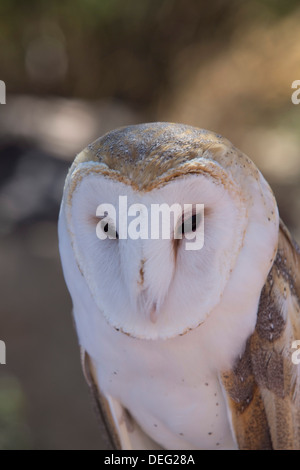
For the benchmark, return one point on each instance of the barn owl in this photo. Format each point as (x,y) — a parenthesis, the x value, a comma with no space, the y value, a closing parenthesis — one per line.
(183,349)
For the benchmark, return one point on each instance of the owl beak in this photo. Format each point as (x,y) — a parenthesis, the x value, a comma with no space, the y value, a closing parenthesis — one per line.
(154,313)
(151,310)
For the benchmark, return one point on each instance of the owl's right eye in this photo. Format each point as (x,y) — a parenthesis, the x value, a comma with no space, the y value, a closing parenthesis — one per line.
(109,229)
(106,228)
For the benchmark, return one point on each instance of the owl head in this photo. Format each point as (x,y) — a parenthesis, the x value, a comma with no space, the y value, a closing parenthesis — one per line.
(158,287)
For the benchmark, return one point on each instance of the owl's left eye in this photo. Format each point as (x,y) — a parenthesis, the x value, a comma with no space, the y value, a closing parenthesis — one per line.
(189,224)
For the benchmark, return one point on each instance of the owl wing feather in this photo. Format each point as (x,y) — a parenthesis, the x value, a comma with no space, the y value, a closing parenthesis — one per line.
(263,387)
(119,428)
(102,407)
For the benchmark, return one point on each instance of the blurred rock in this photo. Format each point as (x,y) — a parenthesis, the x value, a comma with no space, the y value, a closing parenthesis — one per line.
(32,188)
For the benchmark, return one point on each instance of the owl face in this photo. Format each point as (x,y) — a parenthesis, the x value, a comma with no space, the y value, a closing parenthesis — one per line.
(154,288)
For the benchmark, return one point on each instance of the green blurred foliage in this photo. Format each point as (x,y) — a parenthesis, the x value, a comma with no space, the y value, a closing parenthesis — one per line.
(14,433)
(110,47)
(121,49)
(278,8)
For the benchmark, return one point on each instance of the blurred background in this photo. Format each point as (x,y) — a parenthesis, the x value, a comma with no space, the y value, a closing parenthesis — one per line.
(75,70)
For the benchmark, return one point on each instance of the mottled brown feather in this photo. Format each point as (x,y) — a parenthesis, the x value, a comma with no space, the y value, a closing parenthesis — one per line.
(263,386)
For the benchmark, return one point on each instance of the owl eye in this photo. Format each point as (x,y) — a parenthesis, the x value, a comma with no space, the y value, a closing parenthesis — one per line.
(190,224)
(108,228)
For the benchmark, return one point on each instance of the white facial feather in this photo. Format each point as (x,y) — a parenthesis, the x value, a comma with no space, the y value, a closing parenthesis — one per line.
(122,296)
